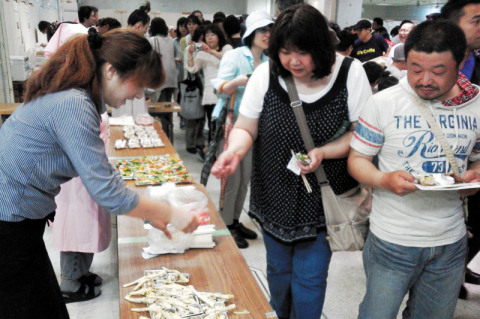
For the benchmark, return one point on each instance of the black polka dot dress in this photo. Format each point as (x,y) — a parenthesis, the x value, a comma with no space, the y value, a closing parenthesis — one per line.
(279,200)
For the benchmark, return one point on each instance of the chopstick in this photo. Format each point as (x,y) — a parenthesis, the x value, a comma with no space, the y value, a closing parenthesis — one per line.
(305,181)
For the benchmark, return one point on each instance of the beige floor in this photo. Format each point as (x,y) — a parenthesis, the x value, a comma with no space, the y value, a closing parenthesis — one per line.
(346,281)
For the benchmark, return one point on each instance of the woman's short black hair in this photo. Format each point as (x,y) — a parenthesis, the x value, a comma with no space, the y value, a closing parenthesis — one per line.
(437,36)
(43,25)
(346,40)
(386,80)
(373,71)
(214,28)
(302,27)
(158,26)
(111,22)
(231,25)
(194,19)
(182,21)
(198,34)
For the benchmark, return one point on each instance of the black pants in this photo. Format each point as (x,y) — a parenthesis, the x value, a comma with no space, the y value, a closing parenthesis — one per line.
(28,285)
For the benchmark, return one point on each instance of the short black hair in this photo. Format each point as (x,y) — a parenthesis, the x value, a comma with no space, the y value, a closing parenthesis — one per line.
(373,70)
(453,9)
(304,28)
(198,34)
(231,25)
(193,18)
(383,32)
(139,15)
(214,28)
(437,36)
(386,80)
(219,14)
(43,25)
(181,21)
(84,12)
(406,21)
(158,26)
(284,4)
(379,21)
(394,30)
(111,22)
(346,40)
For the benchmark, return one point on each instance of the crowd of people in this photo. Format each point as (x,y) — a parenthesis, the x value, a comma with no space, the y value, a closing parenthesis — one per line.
(375,84)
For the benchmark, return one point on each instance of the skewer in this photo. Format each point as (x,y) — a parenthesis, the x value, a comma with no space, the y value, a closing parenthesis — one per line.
(305,181)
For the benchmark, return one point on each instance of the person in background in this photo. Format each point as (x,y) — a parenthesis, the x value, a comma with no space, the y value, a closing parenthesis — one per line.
(207,60)
(234,71)
(54,136)
(138,21)
(417,243)
(199,15)
(192,24)
(88,16)
(231,25)
(163,44)
(384,34)
(405,28)
(398,68)
(347,38)
(373,71)
(171,32)
(180,32)
(377,24)
(281,5)
(385,81)
(433,16)
(46,28)
(465,14)
(367,46)
(333,89)
(394,33)
(107,24)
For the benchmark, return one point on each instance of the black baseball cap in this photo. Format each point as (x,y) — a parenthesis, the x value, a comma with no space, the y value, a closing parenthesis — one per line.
(362,24)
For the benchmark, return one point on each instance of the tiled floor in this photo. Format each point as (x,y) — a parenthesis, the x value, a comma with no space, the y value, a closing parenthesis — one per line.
(346,281)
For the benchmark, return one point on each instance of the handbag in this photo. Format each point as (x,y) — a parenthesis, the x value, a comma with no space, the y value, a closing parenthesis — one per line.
(346,215)
(191,98)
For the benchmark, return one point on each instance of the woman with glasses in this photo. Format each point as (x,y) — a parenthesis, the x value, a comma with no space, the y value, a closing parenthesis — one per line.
(235,69)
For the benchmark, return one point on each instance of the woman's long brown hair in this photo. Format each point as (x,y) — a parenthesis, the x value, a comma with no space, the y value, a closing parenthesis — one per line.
(77,65)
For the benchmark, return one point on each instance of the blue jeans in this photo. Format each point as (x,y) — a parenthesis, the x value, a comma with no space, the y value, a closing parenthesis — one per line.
(432,276)
(297,276)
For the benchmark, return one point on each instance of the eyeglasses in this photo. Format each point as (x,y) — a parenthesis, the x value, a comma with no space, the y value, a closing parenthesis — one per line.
(265,29)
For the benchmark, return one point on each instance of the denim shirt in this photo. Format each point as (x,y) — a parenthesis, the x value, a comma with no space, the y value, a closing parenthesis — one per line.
(235,62)
(45,143)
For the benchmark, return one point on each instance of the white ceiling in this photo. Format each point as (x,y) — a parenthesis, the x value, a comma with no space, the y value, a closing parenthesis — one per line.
(404,2)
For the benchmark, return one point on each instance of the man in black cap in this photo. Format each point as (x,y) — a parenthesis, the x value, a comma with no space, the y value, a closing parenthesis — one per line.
(367,46)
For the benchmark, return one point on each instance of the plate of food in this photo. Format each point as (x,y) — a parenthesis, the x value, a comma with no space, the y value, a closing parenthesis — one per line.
(441,182)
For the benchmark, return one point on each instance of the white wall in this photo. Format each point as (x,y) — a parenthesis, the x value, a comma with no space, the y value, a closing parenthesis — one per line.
(348,12)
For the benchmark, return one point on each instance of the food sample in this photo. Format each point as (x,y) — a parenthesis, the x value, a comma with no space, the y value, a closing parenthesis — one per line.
(154,170)
(304,159)
(141,136)
(165,296)
(435,179)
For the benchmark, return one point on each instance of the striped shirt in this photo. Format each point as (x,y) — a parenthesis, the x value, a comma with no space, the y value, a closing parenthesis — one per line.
(45,143)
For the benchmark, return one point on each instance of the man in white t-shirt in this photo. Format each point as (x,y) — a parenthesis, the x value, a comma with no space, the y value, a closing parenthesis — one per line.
(417,241)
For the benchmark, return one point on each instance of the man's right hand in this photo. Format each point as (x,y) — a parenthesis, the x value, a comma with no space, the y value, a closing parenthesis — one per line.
(398,182)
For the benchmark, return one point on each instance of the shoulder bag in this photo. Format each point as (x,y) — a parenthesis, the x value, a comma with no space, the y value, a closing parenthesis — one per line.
(191,98)
(447,149)
(346,215)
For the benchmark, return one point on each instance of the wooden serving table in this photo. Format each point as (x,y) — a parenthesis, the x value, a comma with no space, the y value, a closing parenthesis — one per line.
(6,109)
(219,269)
